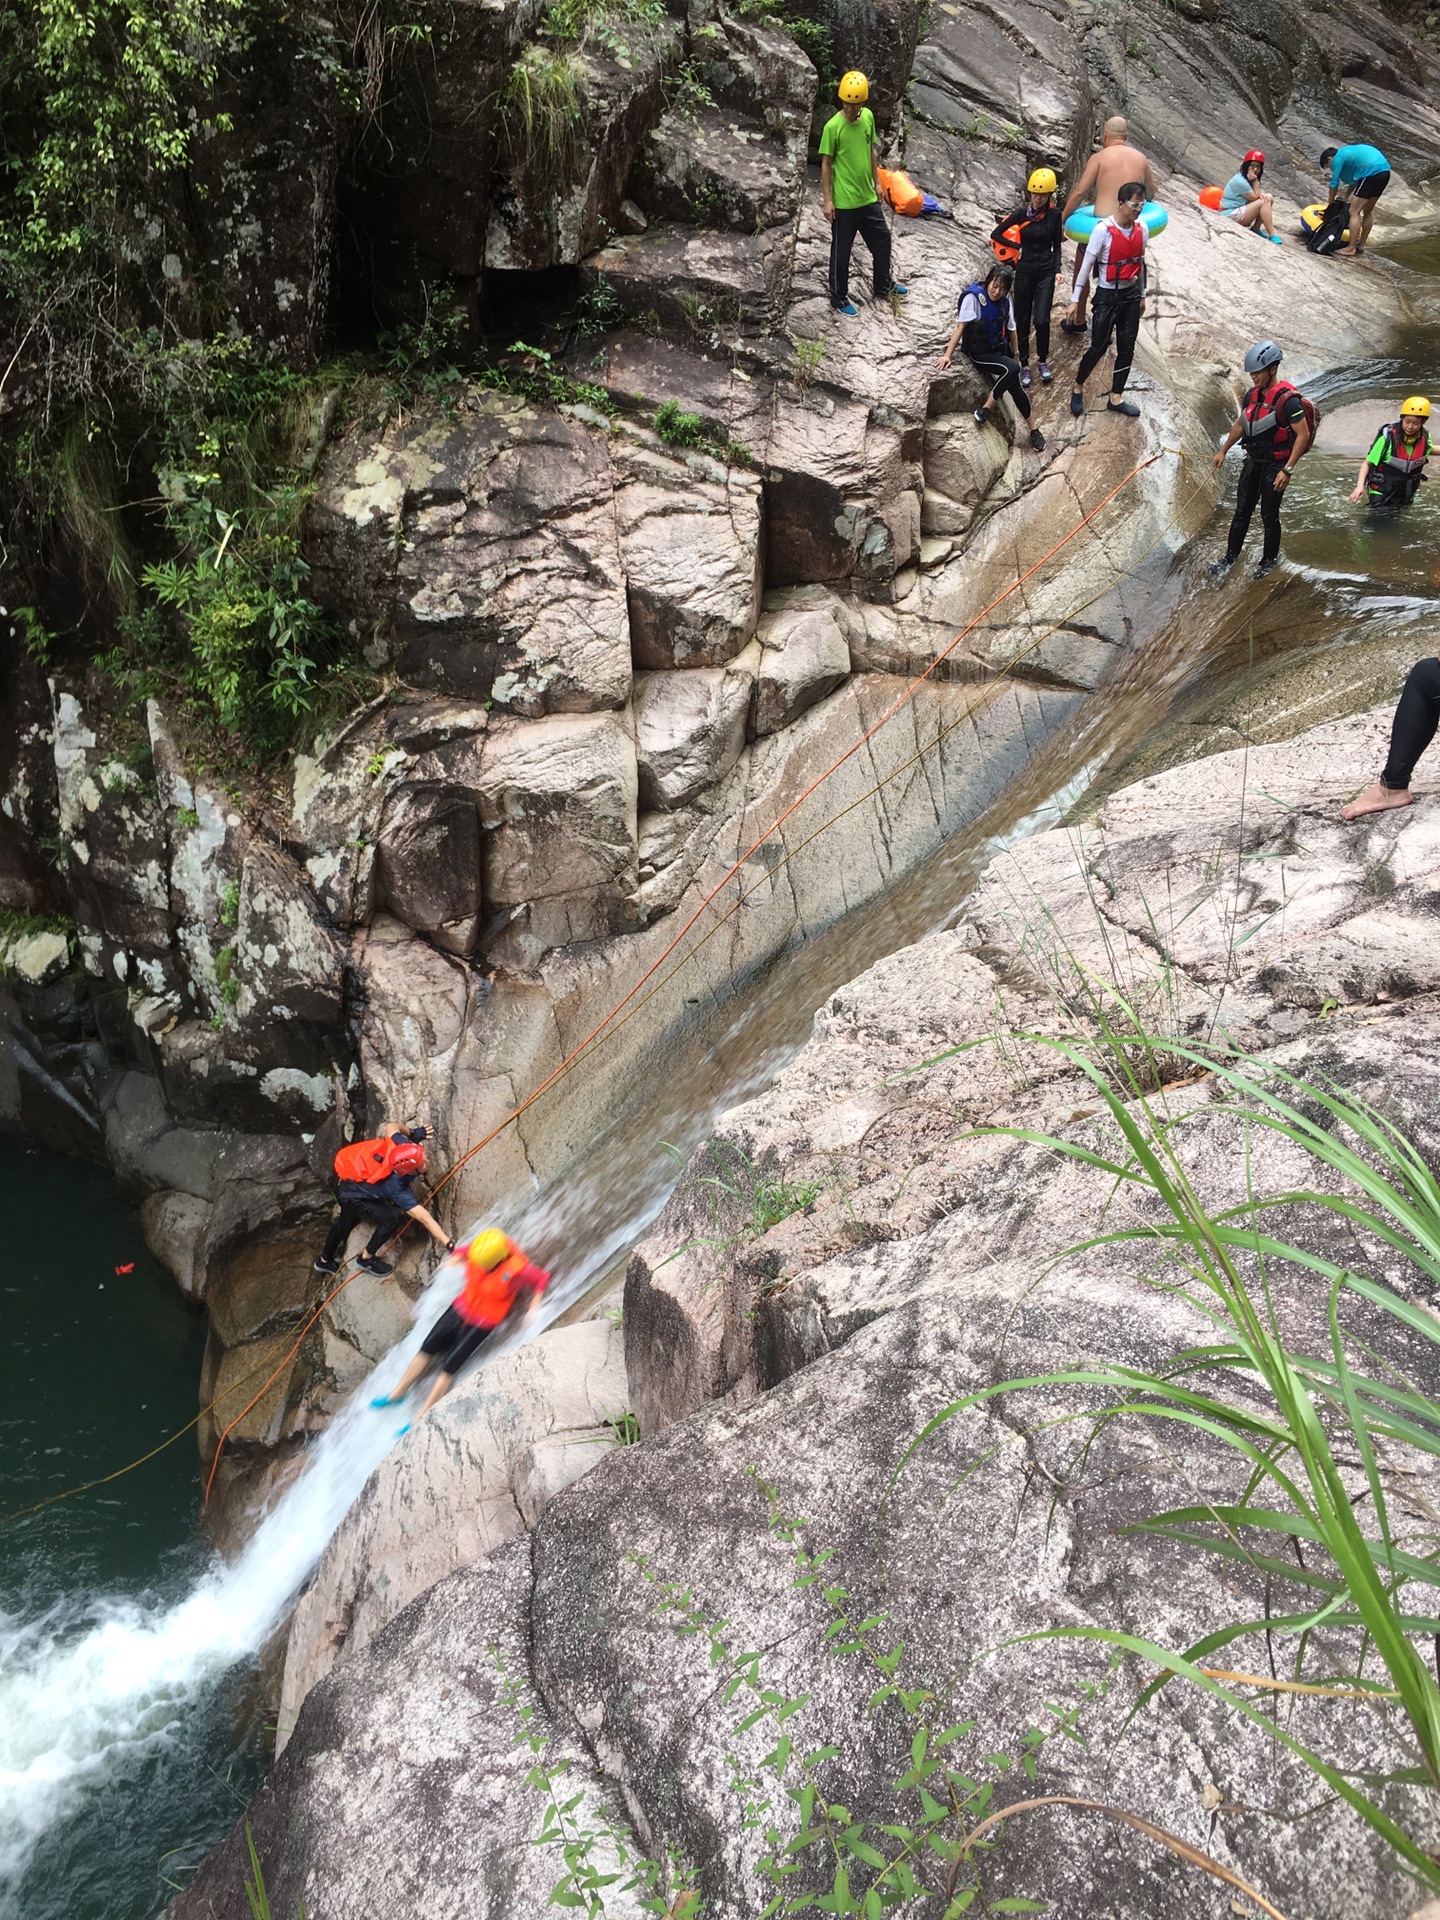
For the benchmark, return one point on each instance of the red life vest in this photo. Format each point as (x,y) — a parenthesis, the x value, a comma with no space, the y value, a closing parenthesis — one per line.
(489,1292)
(1126,259)
(366,1161)
(1263,434)
(1398,475)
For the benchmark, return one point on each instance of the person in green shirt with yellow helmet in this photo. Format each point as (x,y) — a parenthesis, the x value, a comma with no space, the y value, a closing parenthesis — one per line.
(849,181)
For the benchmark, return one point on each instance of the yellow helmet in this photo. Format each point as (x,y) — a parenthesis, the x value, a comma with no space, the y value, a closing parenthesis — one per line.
(854,89)
(1416,404)
(488,1249)
(1042,180)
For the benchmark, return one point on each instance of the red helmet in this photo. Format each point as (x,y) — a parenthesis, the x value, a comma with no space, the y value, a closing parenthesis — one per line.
(1254,154)
(408,1158)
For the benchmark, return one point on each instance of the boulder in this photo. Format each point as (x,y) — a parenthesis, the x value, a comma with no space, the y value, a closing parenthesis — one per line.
(690,544)
(722,168)
(558,801)
(689,730)
(449,1495)
(428,862)
(969,79)
(481,547)
(38,958)
(804,655)
(693,283)
(174,1225)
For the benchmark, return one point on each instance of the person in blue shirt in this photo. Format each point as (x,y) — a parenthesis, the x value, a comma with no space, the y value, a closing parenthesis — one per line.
(1359,173)
(1245,201)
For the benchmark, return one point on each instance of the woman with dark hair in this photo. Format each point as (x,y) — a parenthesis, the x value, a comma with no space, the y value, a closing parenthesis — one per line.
(1243,200)
(985,333)
(1038,226)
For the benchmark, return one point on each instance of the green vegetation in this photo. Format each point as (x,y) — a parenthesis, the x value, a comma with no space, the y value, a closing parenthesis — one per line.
(230,904)
(255,1883)
(539,114)
(1301,1425)
(680,429)
(811,35)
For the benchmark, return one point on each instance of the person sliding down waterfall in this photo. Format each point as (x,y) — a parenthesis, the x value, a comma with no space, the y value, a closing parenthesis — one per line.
(984,328)
(850,187)
(1275,428)
(1116,257)
(1390,474)
(500,1283)
(377,1187)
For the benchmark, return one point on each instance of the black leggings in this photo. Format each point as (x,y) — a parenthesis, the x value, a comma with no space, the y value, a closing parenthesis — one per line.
(1033,294)
(1414,724)
(1005,376)
(1257,485)
(383,1215)
(1116,313)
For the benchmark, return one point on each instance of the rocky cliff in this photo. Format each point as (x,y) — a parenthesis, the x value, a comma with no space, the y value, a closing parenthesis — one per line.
(919,1258)
(613,650)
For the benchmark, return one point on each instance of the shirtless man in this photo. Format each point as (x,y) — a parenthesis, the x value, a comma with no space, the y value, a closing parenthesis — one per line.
(1105,173)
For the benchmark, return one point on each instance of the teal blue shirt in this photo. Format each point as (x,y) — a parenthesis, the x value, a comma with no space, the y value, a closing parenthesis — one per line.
(1356,162)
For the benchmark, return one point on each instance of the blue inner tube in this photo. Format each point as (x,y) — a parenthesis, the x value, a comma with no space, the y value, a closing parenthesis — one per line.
(1081,223)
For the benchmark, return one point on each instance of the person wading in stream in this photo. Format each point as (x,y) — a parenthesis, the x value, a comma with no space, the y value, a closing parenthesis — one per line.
(1106,172)
(500,1285)
(377,1188)
(1411,732)
(1390,474)
(1116,257)
(1275,428)
(850,186)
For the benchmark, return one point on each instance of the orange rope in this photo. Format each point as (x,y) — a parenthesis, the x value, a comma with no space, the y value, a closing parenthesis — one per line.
(598,1032)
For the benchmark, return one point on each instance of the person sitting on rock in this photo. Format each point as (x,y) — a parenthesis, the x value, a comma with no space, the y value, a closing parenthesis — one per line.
(1275,429)
(985,332)
(1411,731)
(850,183)
(1390,474)
(1116,258)
(377,1187)
(1106,172)
(1033,293)
(1359,173)
(1242,198)
(500,1285)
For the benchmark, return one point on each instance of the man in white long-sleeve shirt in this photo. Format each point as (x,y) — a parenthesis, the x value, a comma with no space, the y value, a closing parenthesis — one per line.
(1115,258)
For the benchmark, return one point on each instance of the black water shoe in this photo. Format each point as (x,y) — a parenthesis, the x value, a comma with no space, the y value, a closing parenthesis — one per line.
(1218,568)
(322,1265)
(1127,407)
(1266,566)
(1077,404)
(372,1263)
(1073,326)
(1037,440)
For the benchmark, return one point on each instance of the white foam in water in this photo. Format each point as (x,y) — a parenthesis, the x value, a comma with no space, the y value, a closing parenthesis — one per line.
(85,1694)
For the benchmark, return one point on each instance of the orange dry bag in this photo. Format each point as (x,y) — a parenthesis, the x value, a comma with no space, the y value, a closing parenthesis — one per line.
(1211,197)
(1007,247)
(366,1161)
(902,193)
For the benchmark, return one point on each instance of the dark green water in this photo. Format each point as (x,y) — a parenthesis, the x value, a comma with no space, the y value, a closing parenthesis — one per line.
(99,1366)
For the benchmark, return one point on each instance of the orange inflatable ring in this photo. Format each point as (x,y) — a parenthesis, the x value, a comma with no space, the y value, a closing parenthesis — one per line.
(1211,197)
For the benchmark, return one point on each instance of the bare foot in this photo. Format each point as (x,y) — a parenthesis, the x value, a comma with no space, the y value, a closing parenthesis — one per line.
(1376,799)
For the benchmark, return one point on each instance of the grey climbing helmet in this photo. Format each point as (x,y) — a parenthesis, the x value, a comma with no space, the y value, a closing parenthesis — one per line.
(1263,354)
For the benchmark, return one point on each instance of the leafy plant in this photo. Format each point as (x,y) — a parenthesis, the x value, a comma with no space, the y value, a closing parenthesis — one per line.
(599,308)
(678,428)
(255,1883)
(540,115)
(808,356)
(1316,1413)
(226,977)
(230,904)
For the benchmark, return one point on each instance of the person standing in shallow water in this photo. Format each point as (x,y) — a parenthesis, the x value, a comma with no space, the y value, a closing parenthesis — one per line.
(1275,429)
(1390,474)
(1413,728)
(850,185)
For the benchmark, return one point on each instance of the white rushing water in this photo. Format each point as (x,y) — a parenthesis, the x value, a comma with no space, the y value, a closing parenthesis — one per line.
(92,1689)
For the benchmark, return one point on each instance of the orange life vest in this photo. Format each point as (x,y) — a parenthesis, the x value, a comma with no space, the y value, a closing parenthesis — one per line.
(366,1161)
(490,1292)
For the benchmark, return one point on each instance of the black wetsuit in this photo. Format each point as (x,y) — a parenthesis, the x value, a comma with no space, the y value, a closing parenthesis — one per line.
(1413,727)
(1033,293)
(1269,435)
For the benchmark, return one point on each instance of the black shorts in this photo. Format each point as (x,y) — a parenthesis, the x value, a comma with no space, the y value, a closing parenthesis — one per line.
(1371,187)
(453,1340)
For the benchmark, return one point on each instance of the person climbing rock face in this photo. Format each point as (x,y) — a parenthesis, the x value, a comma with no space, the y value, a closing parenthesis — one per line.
(377,1188)
(1033,293)
(1359,173)
(985,333)
(1411,731)
(1244,200)
(1116,257)
(1275,429)
(1115,166)
(849,182)
(500,1284)
(1390,474)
